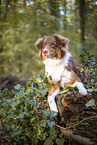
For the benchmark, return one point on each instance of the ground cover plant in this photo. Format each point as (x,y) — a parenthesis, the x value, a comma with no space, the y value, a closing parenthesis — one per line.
(23,118)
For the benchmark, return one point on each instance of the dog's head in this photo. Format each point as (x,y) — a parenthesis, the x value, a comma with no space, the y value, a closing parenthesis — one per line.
(52,46)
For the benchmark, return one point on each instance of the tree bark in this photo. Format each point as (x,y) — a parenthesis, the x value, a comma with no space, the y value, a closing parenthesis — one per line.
(82,13)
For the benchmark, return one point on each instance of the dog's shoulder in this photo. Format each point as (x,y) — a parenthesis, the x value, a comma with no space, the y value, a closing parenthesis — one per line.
(73,65)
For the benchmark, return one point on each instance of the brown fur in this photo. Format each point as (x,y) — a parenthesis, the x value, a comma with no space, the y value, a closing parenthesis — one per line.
(56,45)
(73,66)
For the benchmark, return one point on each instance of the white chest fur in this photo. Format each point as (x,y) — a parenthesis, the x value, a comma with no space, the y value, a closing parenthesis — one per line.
(55,68)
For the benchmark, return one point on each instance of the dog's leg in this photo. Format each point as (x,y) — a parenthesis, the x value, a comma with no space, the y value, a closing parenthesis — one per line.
(53,92)
(81,88)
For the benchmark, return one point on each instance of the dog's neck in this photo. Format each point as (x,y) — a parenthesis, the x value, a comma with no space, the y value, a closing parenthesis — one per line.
(53,62)
(55,67)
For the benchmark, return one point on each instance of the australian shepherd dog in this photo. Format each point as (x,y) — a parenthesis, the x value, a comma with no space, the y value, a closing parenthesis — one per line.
(53,51)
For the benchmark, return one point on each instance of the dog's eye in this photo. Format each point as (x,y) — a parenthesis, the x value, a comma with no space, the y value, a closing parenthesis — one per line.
(53,44)
(63,45)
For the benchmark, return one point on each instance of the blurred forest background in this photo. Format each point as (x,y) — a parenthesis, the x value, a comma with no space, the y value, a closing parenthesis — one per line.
(24,21)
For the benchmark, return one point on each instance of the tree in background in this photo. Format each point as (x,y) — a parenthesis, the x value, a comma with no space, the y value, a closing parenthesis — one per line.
(64,4)
(55,14)
(24,21)
(82,13)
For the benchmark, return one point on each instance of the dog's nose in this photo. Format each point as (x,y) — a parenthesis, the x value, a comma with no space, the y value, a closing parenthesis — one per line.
(45,51)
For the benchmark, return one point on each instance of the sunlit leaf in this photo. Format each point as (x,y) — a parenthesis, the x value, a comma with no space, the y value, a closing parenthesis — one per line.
(95,90)
(17,87)
(90,90)
(91,103)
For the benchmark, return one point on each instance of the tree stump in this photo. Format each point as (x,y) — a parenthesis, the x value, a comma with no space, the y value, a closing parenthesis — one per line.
(77,121)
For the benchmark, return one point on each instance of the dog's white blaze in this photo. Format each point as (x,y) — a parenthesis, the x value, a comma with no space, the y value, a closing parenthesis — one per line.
(55,67)
(81,88)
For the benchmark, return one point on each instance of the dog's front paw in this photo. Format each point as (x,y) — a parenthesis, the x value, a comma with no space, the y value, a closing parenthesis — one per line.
(52,104)
(81,88)
(83,91)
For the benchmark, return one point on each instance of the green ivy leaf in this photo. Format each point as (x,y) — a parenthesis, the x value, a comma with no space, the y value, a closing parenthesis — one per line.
(21,116)
(91,103)
(60,135)
(47,86)
(60,141)
(49,141)
(51,123)
(41,99)
(8,126)
(50,77)
(95,90)
(46,80)
(90,90)
(1,95)
(47,113)
(33,120)
(52,131)
(43,90)
(9,101)
(35,85)
(52,114)
(17,87)
(32,102)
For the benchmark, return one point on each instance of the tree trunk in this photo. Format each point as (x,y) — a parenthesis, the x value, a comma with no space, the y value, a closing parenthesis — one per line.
(6,10)
(64,3)
(24,2)
(54,10)
(82,13)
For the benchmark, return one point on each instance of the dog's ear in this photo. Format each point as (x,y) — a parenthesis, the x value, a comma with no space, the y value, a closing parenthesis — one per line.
(61,41)
(39,43)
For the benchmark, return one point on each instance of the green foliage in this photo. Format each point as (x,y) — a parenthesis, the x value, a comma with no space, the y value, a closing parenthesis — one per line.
(89,72)
(26,118)
(90,68)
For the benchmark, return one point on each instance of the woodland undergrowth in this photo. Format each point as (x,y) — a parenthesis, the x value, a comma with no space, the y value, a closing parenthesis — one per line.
(26,119)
